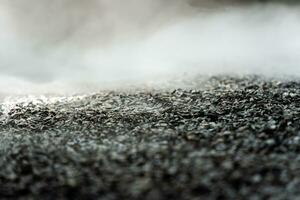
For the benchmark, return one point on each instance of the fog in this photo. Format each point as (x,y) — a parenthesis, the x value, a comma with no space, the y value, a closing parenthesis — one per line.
(63,45)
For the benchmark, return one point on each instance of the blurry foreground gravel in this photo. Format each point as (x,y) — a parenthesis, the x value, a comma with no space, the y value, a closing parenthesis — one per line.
(227,138)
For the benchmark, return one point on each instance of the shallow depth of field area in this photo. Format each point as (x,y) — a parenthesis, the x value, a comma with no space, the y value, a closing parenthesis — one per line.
(150,99)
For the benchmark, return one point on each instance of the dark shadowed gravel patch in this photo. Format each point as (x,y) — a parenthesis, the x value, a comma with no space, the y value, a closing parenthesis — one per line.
(234,138)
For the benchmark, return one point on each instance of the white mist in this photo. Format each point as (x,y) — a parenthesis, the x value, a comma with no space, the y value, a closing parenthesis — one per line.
(71,45)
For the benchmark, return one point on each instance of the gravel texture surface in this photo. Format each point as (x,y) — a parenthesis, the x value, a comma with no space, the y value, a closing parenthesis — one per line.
(227,138)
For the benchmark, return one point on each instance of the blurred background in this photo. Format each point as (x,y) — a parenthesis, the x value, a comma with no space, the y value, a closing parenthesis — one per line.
(76,43)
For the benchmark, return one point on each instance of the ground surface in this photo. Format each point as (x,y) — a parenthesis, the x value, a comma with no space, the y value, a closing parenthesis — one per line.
(234,138)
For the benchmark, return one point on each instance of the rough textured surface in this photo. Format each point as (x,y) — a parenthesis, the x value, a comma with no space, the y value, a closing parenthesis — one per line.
(234,138)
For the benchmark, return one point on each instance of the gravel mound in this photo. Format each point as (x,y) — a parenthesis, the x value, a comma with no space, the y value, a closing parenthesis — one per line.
(228,138)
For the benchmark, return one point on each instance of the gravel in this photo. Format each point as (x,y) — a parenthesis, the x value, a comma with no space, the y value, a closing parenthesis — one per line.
(224,138)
